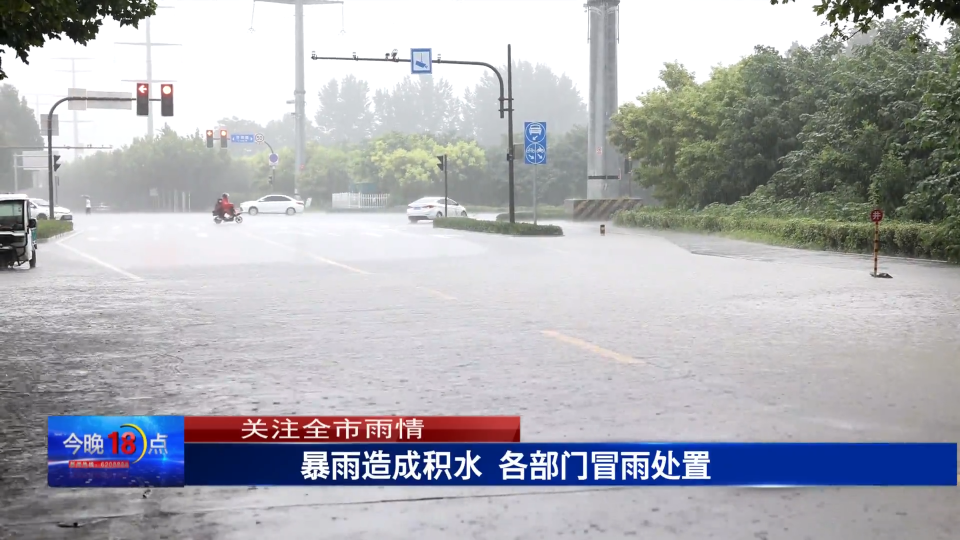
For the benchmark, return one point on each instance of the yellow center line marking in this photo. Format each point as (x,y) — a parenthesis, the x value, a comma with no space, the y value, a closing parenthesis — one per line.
(587,346)
(311,255)
(437,293)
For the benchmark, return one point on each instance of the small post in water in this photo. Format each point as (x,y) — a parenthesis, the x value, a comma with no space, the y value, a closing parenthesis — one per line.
(876,216)
(603,230)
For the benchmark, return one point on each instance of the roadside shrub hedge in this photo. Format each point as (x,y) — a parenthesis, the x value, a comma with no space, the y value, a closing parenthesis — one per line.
(48,228)
(922,240)
(497,227)
(551,212)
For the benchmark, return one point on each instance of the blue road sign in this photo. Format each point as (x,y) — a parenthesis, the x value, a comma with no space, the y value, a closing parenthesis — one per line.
(535,143)
(421,61)
(242,138)
(274,159)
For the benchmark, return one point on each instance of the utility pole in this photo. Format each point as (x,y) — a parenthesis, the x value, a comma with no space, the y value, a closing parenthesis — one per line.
(149,44)
(299,92)
(73,84)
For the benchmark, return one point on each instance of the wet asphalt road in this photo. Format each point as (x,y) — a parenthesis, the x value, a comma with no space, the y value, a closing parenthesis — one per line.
(630,336)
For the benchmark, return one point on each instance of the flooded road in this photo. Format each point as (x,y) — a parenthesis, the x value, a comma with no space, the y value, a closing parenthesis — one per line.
(630,336)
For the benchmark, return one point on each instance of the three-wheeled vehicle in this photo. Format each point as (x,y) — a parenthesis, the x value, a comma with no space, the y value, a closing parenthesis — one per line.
(18,232)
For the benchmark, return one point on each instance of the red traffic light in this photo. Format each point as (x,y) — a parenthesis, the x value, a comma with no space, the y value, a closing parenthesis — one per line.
(166,89)
(143,89)
(223,133)
(209,133)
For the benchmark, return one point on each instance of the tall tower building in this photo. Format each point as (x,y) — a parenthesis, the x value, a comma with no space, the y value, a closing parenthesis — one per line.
(603,161)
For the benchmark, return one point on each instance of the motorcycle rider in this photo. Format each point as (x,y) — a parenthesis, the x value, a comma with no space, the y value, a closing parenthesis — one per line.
(226,207)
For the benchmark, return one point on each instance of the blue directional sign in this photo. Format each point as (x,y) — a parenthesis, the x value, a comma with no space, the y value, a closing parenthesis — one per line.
(535,143)
(421,61)
(242,138)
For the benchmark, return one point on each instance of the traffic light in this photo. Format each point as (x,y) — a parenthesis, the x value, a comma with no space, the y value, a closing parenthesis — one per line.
(209,138)
(166,100)
(627,166)
(56,166)
(441,162)
(223,138)
(143,99)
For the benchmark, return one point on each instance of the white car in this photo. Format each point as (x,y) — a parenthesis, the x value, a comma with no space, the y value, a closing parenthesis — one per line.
(39,208)
(433,208)
(273,204)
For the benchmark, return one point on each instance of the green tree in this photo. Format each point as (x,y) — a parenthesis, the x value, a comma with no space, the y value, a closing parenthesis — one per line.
(149,173)
(865,14)
(539,95)
(421,105)
(18,127)
(345,113)
(30,23)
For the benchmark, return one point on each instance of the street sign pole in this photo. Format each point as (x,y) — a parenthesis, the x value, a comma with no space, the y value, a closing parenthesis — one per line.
(876,216)
(445,213)
(534,194)
(535,153)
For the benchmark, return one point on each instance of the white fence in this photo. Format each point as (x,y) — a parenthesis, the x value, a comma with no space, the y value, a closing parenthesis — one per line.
(361,200)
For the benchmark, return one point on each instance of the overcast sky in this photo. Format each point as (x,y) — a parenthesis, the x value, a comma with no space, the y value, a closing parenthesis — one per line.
(237,59)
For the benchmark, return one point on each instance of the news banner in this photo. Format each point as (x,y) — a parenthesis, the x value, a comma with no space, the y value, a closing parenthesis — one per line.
(178,451)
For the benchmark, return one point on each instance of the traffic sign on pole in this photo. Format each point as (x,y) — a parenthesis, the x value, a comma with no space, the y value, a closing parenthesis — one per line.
(259,138)
(421,61)
(535,143)
(876,216)
(274,159)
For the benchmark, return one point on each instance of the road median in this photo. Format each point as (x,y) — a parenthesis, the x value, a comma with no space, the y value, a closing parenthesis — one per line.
(903,239)
(551,212)
(497,227)
(48,229)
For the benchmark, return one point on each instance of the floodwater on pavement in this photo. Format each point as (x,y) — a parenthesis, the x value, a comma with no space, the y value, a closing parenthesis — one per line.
(628,336)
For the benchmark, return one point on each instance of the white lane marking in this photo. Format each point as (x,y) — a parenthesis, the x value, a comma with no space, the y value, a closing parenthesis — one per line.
(446,235)
(311,255)
(104,264)
(375,235)
(304,233)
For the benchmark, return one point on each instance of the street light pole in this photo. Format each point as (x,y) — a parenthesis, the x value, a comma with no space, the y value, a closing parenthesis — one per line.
(510,157)
(53,109)
(300,92)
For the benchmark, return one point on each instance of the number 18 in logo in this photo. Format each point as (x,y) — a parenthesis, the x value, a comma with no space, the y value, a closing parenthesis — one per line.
(127,443)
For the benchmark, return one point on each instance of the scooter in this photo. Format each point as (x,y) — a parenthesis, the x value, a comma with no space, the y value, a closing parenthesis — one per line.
(235,218)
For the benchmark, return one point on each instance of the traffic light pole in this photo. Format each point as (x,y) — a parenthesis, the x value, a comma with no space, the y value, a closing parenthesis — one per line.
(445,213)
(50,136)
(504,99)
